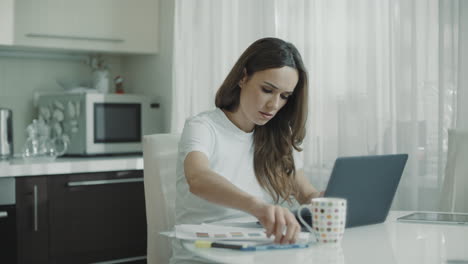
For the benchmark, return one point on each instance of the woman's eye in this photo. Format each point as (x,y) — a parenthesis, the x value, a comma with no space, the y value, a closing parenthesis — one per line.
(265,90)
(284,97)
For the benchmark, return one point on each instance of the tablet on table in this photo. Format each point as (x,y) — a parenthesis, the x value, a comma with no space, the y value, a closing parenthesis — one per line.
(436,218)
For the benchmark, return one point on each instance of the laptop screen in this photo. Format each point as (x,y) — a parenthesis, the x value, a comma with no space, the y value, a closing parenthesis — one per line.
(368,183)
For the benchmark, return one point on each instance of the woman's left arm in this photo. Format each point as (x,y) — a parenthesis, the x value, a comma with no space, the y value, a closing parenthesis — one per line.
(305,190)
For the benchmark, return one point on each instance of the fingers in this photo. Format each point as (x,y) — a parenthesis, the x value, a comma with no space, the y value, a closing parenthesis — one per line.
(281,223)
(265,213)
(293,229)
(269,221)
(285,221)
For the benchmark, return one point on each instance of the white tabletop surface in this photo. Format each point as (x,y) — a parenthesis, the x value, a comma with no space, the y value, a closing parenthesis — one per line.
(66,165)
(390,242)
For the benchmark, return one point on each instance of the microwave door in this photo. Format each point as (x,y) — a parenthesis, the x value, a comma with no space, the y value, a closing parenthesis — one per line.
(114,128)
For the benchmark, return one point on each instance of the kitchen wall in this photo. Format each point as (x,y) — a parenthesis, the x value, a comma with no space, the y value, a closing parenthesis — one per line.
(22,76)
(24,73)
(152,75)
(462,104)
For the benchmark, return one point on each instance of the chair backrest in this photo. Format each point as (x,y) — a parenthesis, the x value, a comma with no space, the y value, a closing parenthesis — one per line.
(160,159)
(454,194)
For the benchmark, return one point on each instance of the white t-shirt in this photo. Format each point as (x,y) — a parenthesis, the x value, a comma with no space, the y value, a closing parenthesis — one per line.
(230,153)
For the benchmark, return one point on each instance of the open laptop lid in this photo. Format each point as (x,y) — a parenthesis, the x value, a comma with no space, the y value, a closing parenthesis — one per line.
(368,183)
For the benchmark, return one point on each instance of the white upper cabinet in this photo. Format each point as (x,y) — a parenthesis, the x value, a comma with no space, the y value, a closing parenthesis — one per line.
(118,26)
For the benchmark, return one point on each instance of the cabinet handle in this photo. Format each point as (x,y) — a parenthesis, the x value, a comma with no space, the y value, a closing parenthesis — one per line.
(35,209)
(70,37)
(100,182)
(3,214)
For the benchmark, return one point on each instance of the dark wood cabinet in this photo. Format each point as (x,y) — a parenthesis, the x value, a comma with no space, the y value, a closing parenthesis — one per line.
(32,220)
(93,217)
(8,252)
(96,217)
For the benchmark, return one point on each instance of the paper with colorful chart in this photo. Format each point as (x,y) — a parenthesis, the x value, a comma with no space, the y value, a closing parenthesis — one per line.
(232,233)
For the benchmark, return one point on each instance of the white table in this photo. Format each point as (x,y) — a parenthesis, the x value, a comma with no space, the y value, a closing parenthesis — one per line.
(390,242)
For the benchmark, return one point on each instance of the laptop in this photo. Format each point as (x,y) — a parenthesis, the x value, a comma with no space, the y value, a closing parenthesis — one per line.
(368,183)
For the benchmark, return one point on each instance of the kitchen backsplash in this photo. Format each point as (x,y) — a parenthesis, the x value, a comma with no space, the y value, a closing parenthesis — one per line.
(21,77)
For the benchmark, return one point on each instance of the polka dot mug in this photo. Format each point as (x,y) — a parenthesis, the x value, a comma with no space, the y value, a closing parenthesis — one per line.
(328,219)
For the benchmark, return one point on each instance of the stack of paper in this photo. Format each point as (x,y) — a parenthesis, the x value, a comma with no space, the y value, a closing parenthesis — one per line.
(214,232)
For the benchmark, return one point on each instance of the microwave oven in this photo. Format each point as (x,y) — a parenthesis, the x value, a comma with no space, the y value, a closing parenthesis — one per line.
(100,124)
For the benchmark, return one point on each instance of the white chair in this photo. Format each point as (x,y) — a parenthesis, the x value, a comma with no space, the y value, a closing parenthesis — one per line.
(455,189)
(160,157)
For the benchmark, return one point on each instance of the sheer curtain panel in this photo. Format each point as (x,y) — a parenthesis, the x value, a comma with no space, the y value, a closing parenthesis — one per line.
(383,76)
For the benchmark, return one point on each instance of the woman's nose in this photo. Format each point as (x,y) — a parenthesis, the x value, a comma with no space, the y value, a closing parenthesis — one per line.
(274,102)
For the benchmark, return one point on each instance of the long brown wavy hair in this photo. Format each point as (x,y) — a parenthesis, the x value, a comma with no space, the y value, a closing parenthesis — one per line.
(273,142)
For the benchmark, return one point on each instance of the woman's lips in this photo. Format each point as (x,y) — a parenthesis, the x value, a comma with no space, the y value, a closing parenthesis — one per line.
(266,115)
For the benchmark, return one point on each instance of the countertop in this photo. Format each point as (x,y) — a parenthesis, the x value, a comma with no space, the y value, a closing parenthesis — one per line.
(67,165)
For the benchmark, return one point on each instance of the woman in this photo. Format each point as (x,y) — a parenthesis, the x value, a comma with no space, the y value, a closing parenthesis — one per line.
(243,157)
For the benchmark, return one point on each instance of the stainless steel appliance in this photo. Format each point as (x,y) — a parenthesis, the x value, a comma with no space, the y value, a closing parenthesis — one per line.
(100,123)
(8,236)
(6,134)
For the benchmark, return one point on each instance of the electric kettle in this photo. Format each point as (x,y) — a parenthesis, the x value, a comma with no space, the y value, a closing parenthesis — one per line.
(6,134)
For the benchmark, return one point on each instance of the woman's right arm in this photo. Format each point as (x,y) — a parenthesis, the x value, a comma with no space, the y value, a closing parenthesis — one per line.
(207,184)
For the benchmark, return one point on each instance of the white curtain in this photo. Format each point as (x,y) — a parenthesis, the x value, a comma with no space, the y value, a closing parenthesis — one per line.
(382,76)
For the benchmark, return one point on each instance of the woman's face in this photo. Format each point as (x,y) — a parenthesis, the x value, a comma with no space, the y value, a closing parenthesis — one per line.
(263,95)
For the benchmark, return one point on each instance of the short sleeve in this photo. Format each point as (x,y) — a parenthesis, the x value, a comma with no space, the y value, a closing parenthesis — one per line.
(298,159)
(196,136)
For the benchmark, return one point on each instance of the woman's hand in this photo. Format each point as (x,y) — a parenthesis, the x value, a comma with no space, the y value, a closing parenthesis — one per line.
(306,191)
(275,219)
(317,194)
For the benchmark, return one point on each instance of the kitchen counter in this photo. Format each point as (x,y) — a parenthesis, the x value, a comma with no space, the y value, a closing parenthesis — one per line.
(69,165)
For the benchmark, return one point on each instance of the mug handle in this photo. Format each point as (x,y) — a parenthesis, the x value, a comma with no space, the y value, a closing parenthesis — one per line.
(64,143)
(301,219)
